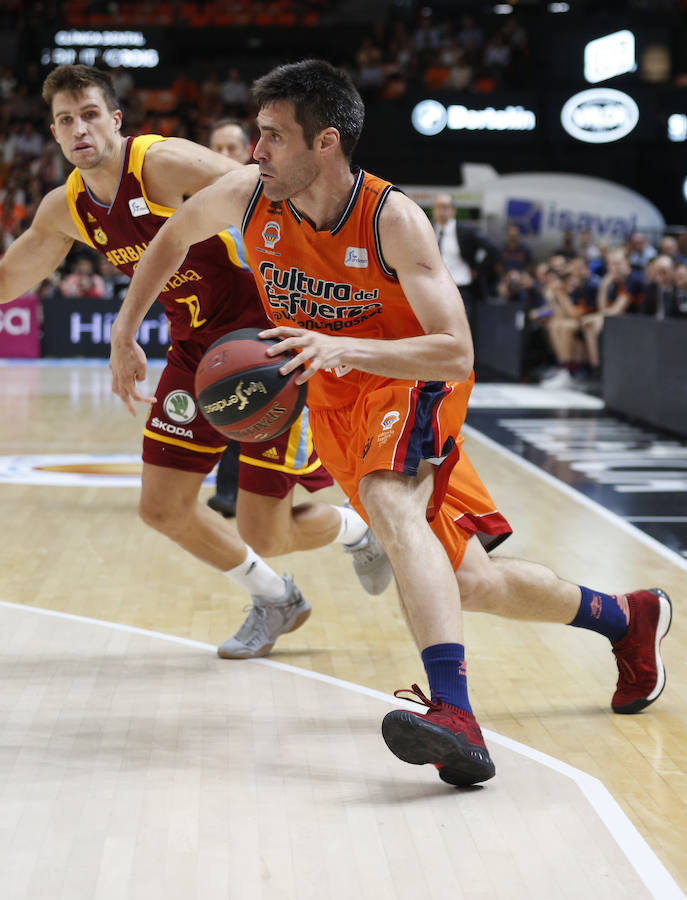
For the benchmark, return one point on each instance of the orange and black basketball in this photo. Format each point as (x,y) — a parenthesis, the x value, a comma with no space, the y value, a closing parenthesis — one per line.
(241,392)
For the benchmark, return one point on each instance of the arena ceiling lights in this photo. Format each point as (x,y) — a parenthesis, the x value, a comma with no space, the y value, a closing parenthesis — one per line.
(609,56)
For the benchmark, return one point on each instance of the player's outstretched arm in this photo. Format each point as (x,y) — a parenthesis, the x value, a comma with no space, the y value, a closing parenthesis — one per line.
(39,250)
(207,212)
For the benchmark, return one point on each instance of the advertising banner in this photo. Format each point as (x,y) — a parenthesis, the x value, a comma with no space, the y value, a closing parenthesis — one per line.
(19,328)
(75,327)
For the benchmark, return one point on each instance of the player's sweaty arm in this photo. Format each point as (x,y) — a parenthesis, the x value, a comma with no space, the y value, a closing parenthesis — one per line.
(40,249)
(170,175)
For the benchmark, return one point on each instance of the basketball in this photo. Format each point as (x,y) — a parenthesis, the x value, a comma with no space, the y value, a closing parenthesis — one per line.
(241,392)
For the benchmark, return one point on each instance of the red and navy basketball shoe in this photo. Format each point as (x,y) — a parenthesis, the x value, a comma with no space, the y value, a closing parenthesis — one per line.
(641,675)
(445,736)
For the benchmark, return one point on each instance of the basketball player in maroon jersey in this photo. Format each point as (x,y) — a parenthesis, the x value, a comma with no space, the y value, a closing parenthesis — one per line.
(121,191)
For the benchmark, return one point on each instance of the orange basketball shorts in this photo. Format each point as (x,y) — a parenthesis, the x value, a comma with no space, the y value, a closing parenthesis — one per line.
(393,427)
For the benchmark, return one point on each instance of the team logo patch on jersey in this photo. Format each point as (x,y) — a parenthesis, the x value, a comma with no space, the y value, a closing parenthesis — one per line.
(179,406)
(356,257)
(138,207)
(271,233)
(100,236)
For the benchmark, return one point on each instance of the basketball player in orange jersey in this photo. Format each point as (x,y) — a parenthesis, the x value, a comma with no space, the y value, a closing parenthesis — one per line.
(120,193)
(350,272)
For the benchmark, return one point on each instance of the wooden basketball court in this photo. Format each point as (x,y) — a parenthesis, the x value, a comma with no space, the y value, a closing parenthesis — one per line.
(138,764)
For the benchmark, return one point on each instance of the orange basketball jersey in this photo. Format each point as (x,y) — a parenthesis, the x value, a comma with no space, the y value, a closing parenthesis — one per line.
(337,281)
(333,281)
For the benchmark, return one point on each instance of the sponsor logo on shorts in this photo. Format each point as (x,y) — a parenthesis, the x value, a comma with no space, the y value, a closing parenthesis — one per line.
(171,429)
(390,420)
(180,407)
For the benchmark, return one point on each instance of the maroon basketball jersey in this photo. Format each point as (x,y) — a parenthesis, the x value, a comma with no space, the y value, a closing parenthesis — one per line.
(213,290)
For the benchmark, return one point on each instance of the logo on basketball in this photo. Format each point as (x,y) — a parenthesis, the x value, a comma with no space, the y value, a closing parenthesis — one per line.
(271,233)
(179,406)
(241,396)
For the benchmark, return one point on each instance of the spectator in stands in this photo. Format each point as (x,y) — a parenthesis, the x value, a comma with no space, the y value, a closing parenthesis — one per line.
(515,254)
(230,138)
(586,246)
(497,57)
(235,93)
(468,256)
(12,219)
(29,142)
(679,307)
(572,298)
(659,293)
(682,243)
(369,71)
(83,281)
(567,247)
(639,251)
(668,246)
(123,82)
(115,281)
(471,38)
(211,107)
(620,291)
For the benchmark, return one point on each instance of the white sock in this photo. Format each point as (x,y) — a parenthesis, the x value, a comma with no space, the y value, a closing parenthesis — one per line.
(353,526)
(257,577)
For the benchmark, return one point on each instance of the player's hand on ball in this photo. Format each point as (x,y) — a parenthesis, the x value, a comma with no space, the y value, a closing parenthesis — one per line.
(311,349)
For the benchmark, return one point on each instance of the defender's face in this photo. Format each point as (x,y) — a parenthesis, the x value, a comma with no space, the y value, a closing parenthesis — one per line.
(287,165)
(84,127)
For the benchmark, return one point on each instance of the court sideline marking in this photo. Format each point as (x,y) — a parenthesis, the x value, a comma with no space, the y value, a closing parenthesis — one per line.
(612,517)
(656,878)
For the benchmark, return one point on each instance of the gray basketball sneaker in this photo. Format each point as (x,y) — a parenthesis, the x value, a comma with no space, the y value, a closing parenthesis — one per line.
(370,563)
(266,620)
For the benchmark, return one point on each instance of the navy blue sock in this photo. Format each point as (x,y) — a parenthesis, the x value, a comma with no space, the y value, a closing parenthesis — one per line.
(603,613)
(445,667)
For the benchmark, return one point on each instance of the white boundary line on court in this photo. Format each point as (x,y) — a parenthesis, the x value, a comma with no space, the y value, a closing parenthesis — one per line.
(600,510)
(658,881)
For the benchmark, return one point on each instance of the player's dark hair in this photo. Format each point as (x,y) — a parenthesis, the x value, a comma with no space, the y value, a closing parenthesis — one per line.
(322,96)
(76,78)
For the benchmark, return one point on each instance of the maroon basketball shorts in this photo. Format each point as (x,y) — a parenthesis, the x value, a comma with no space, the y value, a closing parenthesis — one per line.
(177,436)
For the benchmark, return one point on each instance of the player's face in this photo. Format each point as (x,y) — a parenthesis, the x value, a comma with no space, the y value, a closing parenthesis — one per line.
(84,127)
(229,141)
(287,165)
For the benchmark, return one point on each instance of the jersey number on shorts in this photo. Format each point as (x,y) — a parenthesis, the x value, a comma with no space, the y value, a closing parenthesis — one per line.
(193,309)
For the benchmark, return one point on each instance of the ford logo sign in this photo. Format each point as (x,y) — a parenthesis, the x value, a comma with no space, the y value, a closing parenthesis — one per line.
(599,115)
